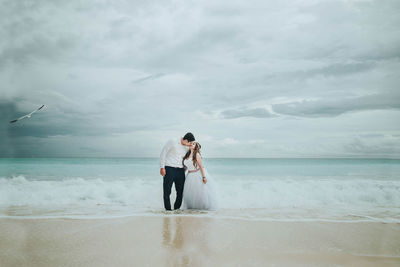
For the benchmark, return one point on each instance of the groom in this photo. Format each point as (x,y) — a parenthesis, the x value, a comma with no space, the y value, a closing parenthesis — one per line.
(171,168)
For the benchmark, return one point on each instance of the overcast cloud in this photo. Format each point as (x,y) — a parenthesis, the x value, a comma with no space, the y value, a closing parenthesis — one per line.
(249,78)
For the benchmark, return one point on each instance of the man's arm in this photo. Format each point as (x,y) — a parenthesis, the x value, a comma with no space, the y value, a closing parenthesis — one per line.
(164,153)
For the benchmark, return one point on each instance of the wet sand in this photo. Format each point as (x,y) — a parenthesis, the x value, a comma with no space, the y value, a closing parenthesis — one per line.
(176,240)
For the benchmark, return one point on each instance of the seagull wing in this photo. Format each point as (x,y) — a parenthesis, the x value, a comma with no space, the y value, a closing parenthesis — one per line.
(27,115)
(20,118)
(34,111)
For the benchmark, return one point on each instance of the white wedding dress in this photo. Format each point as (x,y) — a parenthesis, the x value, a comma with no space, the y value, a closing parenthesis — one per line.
(197,194)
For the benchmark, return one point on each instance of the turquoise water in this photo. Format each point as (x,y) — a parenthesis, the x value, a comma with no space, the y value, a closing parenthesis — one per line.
(288,189)
(64,168)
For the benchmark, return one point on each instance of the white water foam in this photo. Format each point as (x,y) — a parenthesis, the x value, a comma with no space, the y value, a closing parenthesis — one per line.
(284,199)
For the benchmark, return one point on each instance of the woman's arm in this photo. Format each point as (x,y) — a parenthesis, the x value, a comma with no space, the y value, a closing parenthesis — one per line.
(200,163)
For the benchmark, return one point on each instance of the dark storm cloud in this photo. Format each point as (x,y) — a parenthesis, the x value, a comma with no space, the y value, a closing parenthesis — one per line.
(7,111)
(51,121)
(335,107)
(247,112)
(147,78)
(126,71)
(90,149)
(41,124)
(333,70)
(72,129)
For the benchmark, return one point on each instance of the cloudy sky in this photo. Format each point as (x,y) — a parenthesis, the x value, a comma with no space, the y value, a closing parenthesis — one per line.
(284,78)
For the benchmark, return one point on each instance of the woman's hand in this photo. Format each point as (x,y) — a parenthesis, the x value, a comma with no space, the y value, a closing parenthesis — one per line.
(204,180)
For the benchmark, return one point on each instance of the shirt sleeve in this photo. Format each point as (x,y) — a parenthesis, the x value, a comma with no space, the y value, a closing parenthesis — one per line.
(164,153)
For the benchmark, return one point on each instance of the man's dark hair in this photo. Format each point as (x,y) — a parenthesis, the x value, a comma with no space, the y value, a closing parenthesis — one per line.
(189,137)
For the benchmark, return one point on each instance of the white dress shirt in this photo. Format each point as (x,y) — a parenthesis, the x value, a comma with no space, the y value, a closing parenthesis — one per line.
(172,154)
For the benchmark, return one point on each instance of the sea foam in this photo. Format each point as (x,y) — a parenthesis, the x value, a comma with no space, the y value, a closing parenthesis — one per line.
(256,197)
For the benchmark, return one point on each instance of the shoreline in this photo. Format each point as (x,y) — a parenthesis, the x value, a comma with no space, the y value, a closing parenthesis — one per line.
(218,217)
(190,240)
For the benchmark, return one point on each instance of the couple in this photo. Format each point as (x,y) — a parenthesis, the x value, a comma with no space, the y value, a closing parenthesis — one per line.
(196,188)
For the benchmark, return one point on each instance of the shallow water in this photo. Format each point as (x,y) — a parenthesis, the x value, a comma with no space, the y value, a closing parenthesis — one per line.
(256,189)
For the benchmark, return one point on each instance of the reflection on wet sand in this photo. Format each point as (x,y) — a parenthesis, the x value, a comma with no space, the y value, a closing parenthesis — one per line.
(187,240)
(173,240)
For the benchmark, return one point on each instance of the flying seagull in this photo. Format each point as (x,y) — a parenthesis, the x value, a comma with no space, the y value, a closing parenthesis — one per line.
(27,115)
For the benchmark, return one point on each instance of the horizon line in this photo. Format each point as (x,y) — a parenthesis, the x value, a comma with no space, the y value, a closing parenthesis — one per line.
(134,157)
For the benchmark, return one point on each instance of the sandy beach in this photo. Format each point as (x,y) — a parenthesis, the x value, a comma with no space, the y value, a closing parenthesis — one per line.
(179,240)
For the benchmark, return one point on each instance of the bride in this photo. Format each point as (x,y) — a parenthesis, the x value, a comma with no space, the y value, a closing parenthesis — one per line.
(199,191)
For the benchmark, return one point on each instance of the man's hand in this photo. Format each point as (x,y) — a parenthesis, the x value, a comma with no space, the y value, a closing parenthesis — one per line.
(162,171)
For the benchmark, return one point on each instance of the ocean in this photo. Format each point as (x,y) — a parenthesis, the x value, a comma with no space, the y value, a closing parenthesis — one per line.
(273,189)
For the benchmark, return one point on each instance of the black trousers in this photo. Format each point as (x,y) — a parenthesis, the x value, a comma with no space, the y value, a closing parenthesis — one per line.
(177,176)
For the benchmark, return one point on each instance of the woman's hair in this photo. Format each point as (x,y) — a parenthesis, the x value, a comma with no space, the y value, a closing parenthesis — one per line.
(195,151)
